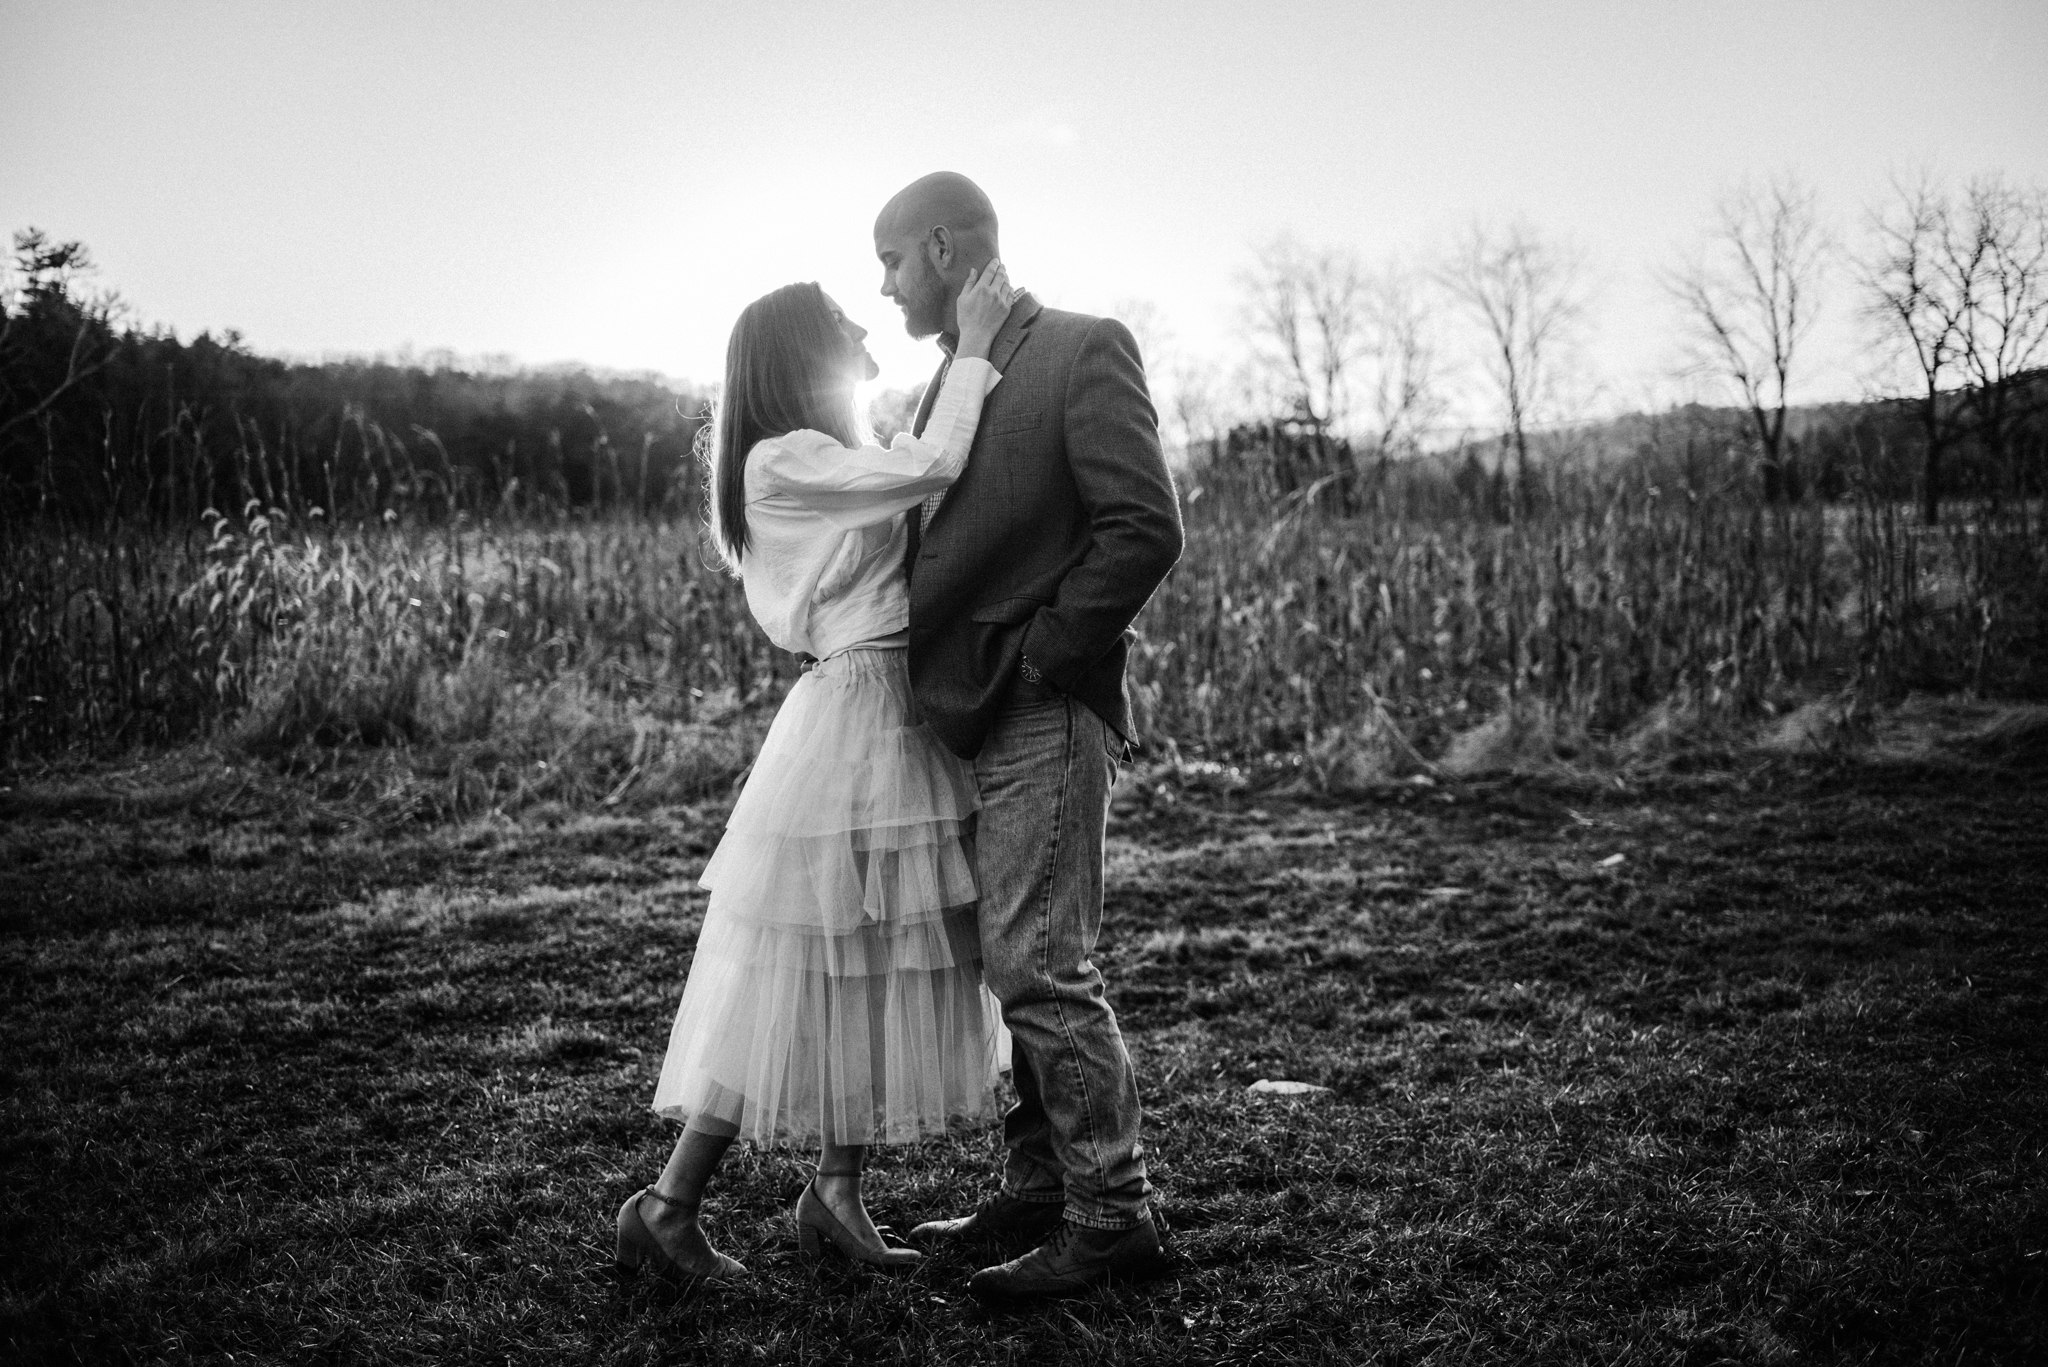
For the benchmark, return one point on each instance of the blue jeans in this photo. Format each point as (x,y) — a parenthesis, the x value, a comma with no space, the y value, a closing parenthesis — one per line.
(1044,775)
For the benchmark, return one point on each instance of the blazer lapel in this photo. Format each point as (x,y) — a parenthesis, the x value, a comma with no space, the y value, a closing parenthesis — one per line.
(1015,331)
(914,519)
(931,396)
(1012,335)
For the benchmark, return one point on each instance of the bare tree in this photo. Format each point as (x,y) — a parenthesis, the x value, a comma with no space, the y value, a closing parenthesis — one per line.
(1345,349)
(1405,394)
(1307,312)
(1919,282)
(2003,232)
(1198,407)
(1748,299)
(1957,286)
(1526,293)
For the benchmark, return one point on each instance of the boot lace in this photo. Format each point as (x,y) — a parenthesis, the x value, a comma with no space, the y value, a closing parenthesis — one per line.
(1058,1248)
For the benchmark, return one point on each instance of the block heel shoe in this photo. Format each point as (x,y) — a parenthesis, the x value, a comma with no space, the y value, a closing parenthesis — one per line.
(817,1227)
(638,1248)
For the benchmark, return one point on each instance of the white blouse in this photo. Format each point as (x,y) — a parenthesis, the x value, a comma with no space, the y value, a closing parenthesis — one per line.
(824,565)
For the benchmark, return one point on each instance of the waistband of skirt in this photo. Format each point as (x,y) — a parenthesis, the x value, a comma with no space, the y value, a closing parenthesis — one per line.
(881,644)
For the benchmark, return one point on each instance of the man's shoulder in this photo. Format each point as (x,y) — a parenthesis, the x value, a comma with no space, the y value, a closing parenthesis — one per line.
(1063,332)
(1065,322)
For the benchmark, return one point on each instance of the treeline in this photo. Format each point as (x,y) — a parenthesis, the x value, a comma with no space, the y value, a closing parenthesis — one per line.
(1351,365)
(102,419)
(1873,449)
(1830,452)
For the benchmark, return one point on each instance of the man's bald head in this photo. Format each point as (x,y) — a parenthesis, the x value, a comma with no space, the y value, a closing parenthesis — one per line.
(929,237)
(943,199)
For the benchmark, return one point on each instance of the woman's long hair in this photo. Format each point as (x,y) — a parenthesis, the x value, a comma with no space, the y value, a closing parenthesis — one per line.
(785,369)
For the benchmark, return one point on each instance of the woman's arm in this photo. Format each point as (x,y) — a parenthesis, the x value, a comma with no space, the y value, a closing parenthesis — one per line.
(857,487)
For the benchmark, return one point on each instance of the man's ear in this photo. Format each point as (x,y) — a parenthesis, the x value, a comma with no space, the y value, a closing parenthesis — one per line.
(942,247)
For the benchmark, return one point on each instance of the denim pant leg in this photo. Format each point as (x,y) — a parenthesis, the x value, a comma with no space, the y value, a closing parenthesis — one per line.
(1044,776)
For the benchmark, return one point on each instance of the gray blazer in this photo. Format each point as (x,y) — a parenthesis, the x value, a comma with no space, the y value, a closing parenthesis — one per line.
(1063,523)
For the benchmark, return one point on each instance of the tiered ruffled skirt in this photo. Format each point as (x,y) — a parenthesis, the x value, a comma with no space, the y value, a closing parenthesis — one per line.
(836,991)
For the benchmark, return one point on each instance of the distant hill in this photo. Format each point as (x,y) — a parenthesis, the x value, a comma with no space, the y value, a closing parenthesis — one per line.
(1831,445)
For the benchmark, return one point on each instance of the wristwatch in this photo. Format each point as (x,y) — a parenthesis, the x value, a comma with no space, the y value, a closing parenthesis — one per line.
(1029,670)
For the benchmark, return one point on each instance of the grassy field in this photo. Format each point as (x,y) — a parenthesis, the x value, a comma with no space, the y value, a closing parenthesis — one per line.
(1740,1066)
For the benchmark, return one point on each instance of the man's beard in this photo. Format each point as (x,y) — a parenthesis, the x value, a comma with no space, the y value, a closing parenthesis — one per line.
(926,314)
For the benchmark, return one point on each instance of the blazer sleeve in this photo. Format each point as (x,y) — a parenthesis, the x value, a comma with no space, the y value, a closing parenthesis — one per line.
(855,487)
(1112,441)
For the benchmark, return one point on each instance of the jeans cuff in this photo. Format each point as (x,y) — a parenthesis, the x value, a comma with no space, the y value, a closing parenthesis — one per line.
(1036,1198)
(1106,1219)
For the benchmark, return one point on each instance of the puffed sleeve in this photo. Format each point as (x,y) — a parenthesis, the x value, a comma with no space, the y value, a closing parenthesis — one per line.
(854,487)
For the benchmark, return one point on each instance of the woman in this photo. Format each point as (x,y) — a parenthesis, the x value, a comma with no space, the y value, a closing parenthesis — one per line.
(836,990)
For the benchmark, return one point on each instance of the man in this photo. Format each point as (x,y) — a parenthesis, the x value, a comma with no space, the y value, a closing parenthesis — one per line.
(1024,579)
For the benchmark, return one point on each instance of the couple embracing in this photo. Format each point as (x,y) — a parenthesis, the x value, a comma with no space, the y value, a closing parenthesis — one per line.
(910,884)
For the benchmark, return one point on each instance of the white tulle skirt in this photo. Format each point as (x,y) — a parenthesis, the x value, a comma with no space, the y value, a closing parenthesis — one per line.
(836,991)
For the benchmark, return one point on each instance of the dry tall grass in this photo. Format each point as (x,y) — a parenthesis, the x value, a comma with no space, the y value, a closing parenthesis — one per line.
(543,655)
(594,659)
(1617,604)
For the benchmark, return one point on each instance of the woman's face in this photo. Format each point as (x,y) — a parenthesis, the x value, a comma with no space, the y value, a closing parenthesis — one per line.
(860,366)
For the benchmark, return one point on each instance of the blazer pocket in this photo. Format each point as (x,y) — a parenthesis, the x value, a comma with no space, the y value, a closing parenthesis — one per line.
(1008,611)
(1016,422)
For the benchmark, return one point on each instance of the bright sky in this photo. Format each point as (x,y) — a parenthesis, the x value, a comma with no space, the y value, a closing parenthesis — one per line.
(611,182)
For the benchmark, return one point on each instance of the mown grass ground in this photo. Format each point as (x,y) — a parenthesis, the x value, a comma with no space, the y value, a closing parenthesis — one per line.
(276,1086)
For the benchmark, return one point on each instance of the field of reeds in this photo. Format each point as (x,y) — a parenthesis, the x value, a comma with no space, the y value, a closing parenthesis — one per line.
(467,655)
(1626,604)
